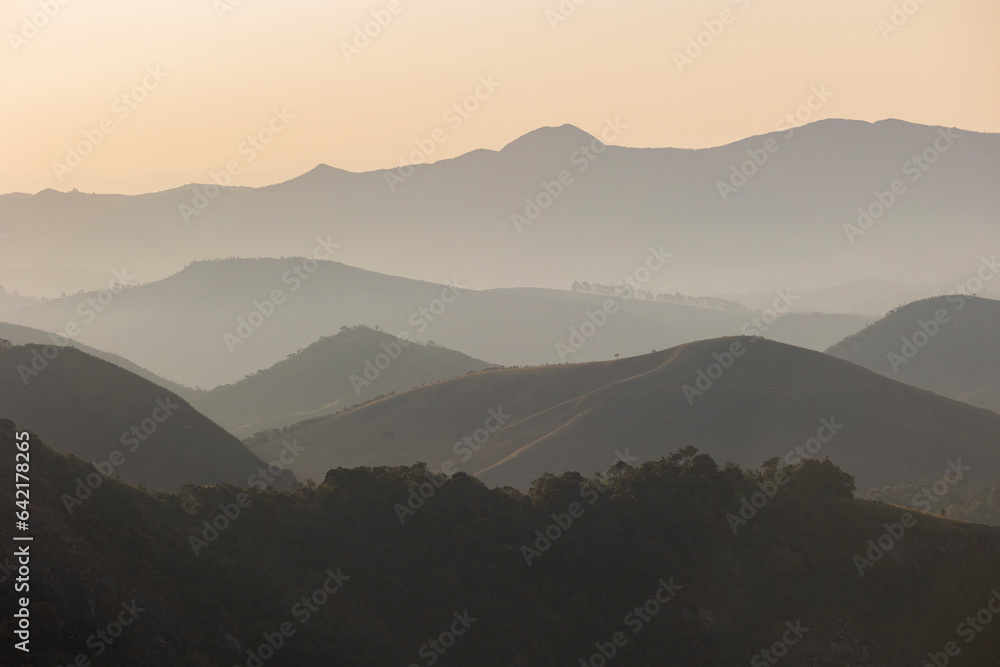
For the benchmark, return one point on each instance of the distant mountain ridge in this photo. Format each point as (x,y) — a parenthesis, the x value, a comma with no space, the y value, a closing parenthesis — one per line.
(785,222)
(215,322)
(353,366)
(677,297)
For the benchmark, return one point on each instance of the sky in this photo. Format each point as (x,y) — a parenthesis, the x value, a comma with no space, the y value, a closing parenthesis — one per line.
(132,96)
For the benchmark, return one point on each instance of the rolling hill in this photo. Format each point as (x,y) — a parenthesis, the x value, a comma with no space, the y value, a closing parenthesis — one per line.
(774,400)
(949,345)
(334,373)
(217,322)
(785,226)
(132,428)
(19,335)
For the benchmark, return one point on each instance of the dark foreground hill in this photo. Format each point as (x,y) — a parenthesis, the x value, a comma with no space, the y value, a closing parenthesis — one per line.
(336,372)
(125,424)
(642,564)
(508,426)
(949,345)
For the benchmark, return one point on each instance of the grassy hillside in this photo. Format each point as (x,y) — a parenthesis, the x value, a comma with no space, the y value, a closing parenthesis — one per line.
(773,399)
(106,415)
(336,372)
(660,529)
(974,502)
(949,345)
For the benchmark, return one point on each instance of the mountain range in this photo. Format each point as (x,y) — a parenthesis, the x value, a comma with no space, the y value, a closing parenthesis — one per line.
(725,213)
(216,322)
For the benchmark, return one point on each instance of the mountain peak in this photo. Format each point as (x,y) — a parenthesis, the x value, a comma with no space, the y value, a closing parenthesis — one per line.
(320,172)
(561,136)
(321,168)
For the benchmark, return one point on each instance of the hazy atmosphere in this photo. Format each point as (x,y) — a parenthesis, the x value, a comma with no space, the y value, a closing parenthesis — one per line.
(360,102)
(559,332)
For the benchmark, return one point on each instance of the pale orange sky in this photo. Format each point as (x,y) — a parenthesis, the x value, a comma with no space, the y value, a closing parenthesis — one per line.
(610,58)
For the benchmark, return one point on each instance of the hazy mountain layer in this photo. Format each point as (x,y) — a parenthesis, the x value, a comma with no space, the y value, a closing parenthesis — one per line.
(19,335)
(216,322)
(327,377)
(807,208)
(949,345)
